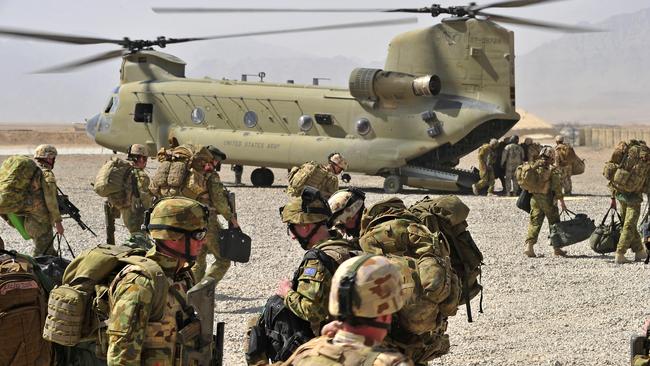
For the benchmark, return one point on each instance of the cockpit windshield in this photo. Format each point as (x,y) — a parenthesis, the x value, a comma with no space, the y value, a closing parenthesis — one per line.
(113,102)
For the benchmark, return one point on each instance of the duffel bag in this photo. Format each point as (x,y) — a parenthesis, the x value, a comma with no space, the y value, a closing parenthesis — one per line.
(523,202)
(576,228)
(605,238)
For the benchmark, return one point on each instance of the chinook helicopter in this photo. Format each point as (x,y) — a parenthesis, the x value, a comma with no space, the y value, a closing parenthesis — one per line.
(444,90)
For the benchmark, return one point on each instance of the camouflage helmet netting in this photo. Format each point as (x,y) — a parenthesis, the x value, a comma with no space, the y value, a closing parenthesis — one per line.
(138,150)
(344,205)
(45,151)
(377,287)
(292,213)
(339,160)
(178,212)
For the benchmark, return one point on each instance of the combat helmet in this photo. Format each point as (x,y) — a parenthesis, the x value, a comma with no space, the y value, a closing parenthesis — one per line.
(547,152)
(45,151)
(309,208)
(137,150)
(559,138)
(366,287)
(216,153)
(338,160)
(175,218)
(346,203)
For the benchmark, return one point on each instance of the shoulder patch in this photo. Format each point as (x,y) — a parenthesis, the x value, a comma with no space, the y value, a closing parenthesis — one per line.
(309,271)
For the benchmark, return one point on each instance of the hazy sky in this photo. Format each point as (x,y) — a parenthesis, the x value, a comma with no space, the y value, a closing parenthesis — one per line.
(119,18)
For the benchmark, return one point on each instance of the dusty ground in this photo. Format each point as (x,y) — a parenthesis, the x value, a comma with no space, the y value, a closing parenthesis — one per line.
(579,310)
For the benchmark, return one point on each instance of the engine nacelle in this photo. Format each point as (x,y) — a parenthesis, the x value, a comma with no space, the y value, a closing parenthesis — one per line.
(391,88)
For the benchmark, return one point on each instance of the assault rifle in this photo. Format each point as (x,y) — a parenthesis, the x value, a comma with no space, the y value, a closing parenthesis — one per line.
(199,331)
(68,208)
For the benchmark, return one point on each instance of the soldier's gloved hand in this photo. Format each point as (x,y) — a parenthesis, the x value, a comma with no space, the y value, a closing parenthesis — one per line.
(233,224)
(59,228)
(346,178)
(330,329)
(283,288)
(612,204)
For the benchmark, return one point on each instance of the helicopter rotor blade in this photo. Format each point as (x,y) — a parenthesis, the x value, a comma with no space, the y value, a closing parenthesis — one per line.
(510,4)
(56,37)
(540,24)
(380,23)
(83,62)
(167,10)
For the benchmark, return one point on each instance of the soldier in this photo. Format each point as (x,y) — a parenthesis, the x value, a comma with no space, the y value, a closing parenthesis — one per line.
(141,197)
(563,161)
(531,149)
(215,196)
(365,292)
(44,212)
(513,156)
(630,209)
(137,335)
(486,154)
(347,207)
(543,202)
(307,218)
(499,171)
(322,177)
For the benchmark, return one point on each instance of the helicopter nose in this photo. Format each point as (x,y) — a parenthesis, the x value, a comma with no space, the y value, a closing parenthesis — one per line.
(91,126)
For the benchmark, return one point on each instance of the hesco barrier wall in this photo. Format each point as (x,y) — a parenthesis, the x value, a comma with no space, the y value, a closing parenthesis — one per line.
(610,136)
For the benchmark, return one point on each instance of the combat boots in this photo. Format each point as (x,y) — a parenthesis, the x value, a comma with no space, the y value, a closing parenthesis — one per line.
(530,251)
(559,252)
(619,258)
(640,255)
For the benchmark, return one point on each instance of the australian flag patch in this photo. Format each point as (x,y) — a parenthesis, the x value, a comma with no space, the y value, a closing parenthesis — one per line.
(309,271)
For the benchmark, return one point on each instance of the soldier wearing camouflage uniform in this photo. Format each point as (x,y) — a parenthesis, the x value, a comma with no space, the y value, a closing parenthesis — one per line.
(132,214)
(486,155)
(563,161)
(363,323)
(307,219)
(44,212)
(336,164)
(513,156)
(135,335)
(347,207)
(388,228)
(544,203)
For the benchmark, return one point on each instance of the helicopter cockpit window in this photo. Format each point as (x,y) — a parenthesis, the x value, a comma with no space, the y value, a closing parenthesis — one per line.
(363,126)
(143,112)
(305,122)
(198,115)
(250,119)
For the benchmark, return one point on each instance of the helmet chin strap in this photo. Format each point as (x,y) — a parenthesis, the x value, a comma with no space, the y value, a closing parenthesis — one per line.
(304,241)
(186,254)
(356,321)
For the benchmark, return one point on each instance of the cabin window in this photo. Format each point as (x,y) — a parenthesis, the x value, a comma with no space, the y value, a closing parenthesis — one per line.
(305,122)
(250,119)
(363,126)
(198,115)
(143,112)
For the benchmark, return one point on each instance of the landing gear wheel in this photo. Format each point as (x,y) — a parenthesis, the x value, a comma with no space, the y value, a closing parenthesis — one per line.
(262,177)
(393,184)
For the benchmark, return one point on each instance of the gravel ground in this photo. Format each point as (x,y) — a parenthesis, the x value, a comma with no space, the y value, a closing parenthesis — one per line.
(579,310)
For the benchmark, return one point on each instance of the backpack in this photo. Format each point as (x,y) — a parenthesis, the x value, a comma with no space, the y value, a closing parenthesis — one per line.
(115,182)
(23,307)
(16,176)
(308,174)
(605,238)
(279,332)
(448,214)
(79,308)
(629,166)
(532,151)
(176,166)
(533,177)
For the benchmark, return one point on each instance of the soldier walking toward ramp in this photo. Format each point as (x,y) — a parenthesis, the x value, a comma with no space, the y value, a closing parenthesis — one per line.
(564,156)
(486,155)
(543,181)
(513,156)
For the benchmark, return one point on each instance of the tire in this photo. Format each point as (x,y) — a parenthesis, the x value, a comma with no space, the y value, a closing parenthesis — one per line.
(393,184)
(262,177)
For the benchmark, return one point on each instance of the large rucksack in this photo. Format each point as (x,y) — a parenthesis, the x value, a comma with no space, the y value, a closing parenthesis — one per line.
(629,167)
(23,307)
(279,332)
(533,177)
(177,165)
(308,174)
(448,214)
(115,181)
(16,176)
(79,308)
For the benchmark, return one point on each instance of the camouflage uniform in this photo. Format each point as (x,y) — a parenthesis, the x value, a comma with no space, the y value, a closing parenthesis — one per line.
(513,156)
(43,214)
(630,209)
(133,214)
(324,177)
(139,331)
(378,286)
(485,167)
(563,155)
(544,204)
(640,360)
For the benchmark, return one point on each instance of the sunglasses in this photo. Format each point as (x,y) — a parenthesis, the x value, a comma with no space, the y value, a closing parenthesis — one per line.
(199,234)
